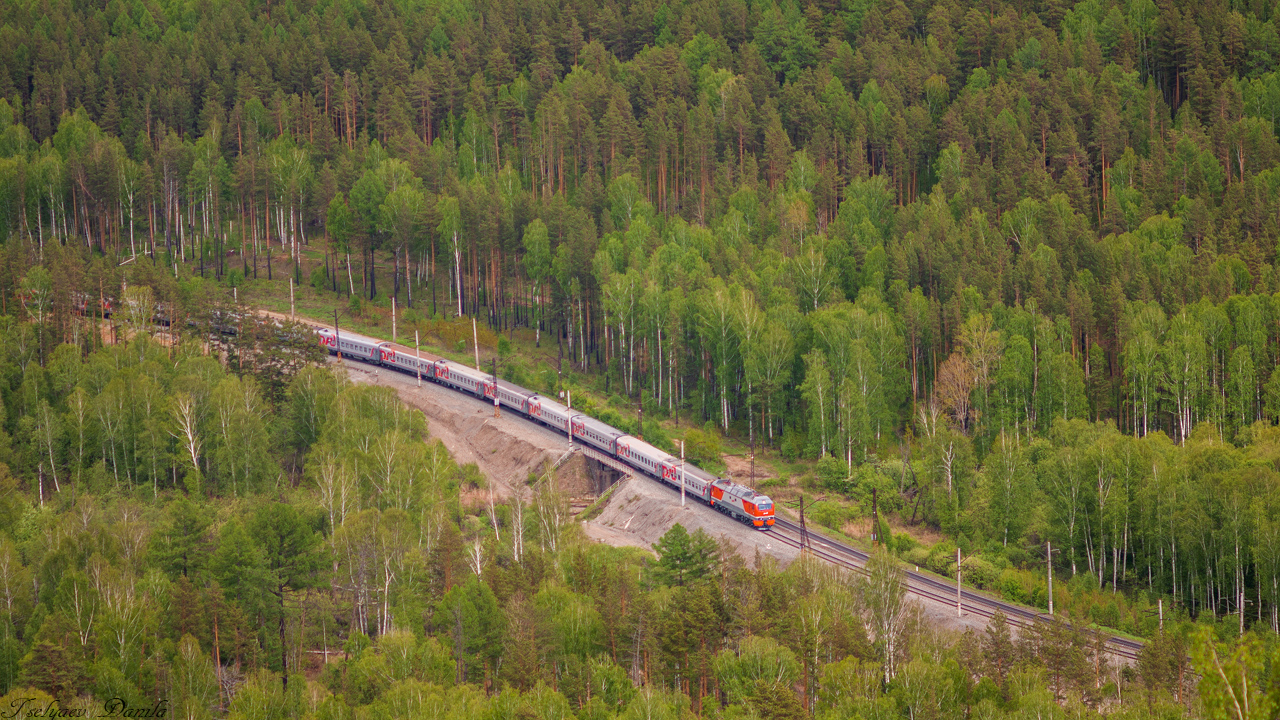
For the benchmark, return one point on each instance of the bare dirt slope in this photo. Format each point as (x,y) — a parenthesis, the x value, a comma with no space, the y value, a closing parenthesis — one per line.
(507,449)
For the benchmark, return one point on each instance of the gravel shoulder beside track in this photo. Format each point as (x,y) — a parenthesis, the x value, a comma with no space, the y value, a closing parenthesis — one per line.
(641,511)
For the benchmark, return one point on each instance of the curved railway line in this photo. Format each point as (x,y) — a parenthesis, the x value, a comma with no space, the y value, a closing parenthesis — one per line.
(929,587)
(841,554)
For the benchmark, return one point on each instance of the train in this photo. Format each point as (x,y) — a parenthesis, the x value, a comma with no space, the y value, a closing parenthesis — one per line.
(737,501)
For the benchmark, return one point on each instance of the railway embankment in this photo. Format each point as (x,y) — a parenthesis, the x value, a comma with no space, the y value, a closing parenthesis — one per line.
(508,449)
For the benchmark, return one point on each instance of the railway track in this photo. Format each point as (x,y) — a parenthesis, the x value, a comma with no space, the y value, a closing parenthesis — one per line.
(851,558)
(931,588)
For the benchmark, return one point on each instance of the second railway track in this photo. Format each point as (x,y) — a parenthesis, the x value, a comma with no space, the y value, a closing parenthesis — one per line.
(928,587)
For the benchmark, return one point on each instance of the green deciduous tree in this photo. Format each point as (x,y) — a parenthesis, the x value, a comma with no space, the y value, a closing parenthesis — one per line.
(537,265)
(755,660)
(340,226)
(891,619)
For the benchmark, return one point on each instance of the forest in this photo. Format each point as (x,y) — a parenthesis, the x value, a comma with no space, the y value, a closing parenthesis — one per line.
(1009,265)
(175,538)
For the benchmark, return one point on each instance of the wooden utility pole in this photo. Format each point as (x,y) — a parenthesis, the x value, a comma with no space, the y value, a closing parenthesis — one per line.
(475,344)
(393,318)
(495,387)
(417,349)
(959,607)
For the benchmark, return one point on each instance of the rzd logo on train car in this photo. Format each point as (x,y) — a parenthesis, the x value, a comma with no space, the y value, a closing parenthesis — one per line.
(671,472)
(535,408)
(389,356)
(579,428)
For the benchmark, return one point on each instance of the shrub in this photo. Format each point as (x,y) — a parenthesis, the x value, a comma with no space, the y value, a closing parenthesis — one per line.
(1107,614)
(917,556)
(830,514)
(793,442)
(980,573)
(1022,586)
(942,558)
(650,403)
(609,416)
(1011,588)
(904,543)
(655,436)
(833,474)
(703,448)
(472,476)
(514,373)
(1018,556)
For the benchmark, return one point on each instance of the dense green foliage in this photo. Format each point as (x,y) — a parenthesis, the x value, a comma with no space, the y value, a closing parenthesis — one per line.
(1027,249)
(170,533)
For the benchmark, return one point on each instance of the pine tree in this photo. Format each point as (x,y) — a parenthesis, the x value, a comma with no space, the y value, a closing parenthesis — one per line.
(56,663)
(684,558)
